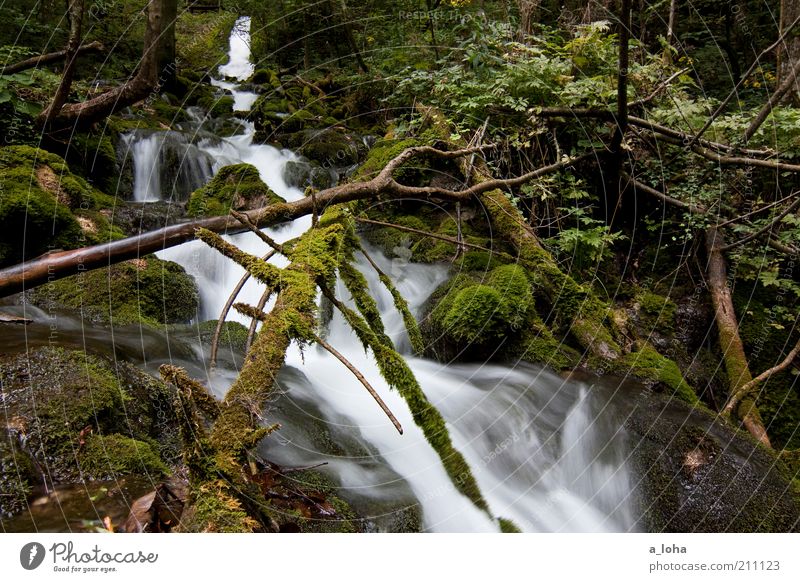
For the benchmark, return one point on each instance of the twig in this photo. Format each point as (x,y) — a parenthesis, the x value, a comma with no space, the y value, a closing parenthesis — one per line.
(423,233)
(759,210)
(743,78)
(657,90)
(245,220)
(741,392)
(660,195)
(769,226)
(226,309)
(361,379)
(251,331)
(773,100)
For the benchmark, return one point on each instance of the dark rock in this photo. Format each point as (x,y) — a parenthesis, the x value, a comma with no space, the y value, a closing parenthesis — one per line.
(700,475)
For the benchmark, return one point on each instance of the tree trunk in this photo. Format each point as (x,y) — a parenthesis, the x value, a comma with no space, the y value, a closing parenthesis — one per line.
(76,10)
(789,50)
(730,342)
(167,68)
(134,90)
(527,16)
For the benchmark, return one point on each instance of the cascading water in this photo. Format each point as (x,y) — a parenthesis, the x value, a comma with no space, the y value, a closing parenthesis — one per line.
(548,453)
(164,159)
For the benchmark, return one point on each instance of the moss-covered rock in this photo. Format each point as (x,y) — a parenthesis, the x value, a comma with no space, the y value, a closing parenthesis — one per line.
(109,457)
(44,206)
(697,474)
(237,187)
(147,291)
(657,372)
(70,406)
(233,334)
(329,147)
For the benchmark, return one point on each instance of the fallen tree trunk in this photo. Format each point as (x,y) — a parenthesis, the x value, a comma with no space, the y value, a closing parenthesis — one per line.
(48,58)
(730,342)
(54,266)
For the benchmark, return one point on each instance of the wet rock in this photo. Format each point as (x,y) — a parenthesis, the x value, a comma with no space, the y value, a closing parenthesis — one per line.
(83,417)
(238,187)
(303,174)
(330,148)
(700,475)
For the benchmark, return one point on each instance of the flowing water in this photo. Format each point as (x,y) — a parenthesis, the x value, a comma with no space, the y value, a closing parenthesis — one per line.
(547,452)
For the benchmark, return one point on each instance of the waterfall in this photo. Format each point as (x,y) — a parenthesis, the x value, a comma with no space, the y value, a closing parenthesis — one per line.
(166,159)
(547,453)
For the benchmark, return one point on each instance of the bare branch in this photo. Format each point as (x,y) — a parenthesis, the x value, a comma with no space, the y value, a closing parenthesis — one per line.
(737,396)
(661,86)
(735,90)
(767,228)
(45,59)
(226,309)
(56,265)
(251,331)
(449,239)
(330,349)
(773,100)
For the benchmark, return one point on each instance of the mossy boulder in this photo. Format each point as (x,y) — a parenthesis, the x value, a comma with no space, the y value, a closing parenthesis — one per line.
(233,334)
(237,187)
(44,206)
(330,148)
(148,291)
(697,474)
(83,416)
(657,372)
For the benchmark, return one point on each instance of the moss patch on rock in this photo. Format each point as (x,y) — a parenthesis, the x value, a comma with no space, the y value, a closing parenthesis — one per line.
(111,456)
(17,475)
(237,187)
(59,398)
(44,206)
(147,291)
(657,371)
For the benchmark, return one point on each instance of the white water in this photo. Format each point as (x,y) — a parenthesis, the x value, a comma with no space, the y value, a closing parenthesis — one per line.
(146,164)
(544,452)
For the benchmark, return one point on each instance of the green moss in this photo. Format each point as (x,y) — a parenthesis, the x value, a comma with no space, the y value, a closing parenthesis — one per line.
(34,214)
(647,364)
(477,316)
(233,334)
(147,291)
(202,40)
(656,312)
(386,150)
(766,343)
(111,456)
(213,510)
(508,526)
(56,394)
(17,476)
(399,376)
(237,187)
